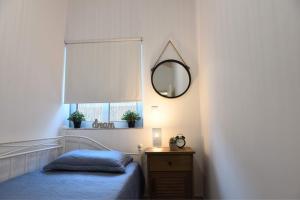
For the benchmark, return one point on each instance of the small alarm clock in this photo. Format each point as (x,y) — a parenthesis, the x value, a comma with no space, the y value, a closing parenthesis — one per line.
(180,141)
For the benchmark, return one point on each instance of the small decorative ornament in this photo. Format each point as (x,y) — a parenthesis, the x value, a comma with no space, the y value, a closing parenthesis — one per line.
(95,124)
(180,141)
(172,144)
(111,125)
(105,125)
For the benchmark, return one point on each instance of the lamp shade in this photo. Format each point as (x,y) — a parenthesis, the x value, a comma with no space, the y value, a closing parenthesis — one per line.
(156,137)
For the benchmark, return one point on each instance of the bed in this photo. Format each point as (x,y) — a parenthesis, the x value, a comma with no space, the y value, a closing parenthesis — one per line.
(71,184)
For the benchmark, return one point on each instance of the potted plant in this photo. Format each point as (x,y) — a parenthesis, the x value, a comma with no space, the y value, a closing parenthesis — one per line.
(131,117)
(76,117)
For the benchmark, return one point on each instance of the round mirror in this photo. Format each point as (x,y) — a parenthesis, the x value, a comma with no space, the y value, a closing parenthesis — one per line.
(171,78)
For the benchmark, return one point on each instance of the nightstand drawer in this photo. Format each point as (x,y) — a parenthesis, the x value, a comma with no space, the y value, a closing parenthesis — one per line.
(170,162)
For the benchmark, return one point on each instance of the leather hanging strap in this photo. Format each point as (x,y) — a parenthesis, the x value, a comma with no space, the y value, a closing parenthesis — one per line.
(163,51)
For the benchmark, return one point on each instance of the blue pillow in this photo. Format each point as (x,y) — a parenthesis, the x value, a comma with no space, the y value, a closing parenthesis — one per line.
(91,160)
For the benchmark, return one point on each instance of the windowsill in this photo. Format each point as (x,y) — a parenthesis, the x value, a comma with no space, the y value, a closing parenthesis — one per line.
(99,129)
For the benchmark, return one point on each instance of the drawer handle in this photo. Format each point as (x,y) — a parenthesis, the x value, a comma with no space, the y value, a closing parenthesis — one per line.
(169,163)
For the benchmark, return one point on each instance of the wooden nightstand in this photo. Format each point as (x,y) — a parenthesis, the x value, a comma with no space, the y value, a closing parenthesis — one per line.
(170,173)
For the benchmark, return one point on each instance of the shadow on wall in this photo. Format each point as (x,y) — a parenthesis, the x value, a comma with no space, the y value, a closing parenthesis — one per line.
(225,175)
(58,118)
(232,173)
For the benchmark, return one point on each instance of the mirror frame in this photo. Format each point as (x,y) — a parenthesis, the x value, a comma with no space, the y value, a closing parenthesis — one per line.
(187,69)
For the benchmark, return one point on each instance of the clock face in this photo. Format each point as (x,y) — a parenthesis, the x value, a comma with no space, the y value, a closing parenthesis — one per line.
(180,142)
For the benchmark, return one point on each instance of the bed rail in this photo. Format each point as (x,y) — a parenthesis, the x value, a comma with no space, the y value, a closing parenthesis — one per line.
(100,145)
(11,149)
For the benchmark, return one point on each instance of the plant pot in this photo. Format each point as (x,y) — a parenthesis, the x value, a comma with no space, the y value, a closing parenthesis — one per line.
(173,147)
(77,124)
(131,124)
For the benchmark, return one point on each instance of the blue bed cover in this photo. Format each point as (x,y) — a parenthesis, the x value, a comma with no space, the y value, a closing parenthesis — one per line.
(68,185)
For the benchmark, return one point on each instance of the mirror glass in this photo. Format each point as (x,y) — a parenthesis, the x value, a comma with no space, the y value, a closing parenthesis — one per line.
(171,78)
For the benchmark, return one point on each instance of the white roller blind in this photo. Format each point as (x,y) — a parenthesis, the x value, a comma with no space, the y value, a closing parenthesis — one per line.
(103,72)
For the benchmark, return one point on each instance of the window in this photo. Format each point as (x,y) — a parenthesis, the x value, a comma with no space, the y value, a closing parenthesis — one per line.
(93,111)
(116,110)
(100,64)
(108,112)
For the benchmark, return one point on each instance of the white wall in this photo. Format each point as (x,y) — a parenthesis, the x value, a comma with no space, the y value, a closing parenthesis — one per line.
(31,68)
(250,67)
(156,21)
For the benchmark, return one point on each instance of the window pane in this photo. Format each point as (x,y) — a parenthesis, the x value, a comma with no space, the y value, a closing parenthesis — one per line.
(118,109)
(93,111)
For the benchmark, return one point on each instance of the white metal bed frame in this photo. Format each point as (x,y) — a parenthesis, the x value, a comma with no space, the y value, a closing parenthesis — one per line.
(31,146)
